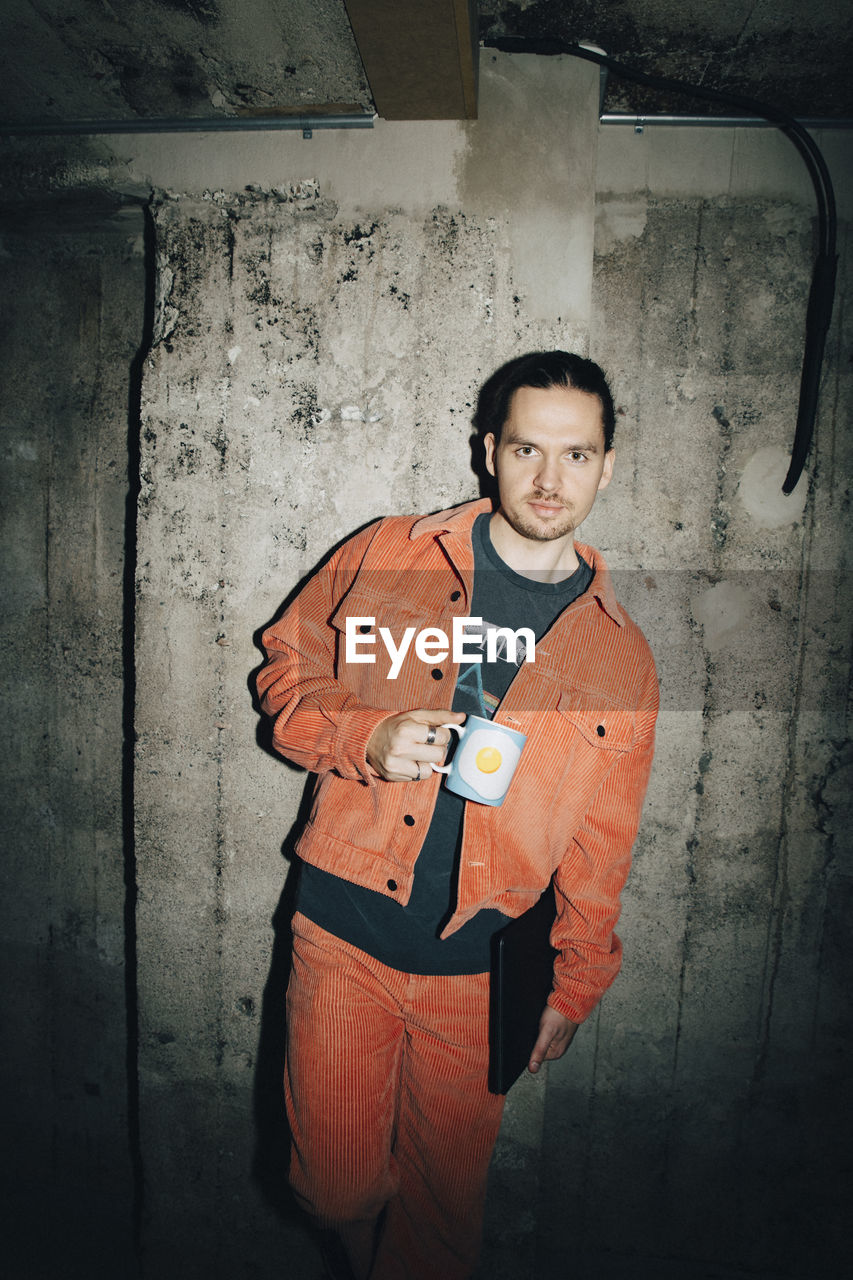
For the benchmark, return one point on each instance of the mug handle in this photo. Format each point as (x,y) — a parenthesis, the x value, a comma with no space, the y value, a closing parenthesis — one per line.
(445,768)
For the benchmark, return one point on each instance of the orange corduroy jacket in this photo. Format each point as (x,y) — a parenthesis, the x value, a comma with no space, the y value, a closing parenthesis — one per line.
(587,703)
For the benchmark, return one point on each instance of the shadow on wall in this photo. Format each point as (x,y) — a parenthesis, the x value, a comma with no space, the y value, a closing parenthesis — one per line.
(272,1131)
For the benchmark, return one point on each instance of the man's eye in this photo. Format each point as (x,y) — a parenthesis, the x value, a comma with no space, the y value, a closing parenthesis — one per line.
(577,457)
(525,451)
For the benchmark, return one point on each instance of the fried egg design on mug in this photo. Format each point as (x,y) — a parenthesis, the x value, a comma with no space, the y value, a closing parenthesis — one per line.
(487,763)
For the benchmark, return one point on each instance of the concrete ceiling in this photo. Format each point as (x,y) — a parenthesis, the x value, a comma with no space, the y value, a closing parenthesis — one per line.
(119,59)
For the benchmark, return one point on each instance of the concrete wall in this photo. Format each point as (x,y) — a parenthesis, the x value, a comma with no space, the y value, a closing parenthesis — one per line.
(72,300)
(316,348)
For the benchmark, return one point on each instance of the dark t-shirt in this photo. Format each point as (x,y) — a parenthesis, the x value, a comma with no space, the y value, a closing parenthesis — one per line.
(406,937)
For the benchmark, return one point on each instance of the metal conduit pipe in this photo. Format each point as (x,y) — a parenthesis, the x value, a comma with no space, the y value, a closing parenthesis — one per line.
(192,124)
(718,122)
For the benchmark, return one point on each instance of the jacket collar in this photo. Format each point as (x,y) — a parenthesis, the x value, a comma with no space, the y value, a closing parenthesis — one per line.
(453,520)
(602,584)
(460,520)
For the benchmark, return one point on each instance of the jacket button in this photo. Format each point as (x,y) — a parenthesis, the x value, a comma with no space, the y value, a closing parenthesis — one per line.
(392,885)
(364,628)
(409,820)
(455,595)
(437,674)
(600,731)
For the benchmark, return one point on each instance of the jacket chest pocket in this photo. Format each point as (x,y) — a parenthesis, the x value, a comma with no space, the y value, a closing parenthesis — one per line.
(379,669)
(574,739)
(602,725)
(600,733)
(589,736)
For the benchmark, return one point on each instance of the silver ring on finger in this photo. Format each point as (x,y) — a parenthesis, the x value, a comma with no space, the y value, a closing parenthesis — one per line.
(430,738)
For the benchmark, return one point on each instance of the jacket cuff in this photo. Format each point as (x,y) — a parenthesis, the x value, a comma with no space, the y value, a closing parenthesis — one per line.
(568,1007)
(354,730)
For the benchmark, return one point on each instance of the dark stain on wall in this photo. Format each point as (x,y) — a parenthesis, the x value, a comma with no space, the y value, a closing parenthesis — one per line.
(204,11)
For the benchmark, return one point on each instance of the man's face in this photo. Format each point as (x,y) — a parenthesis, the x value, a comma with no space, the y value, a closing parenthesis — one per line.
(550,462)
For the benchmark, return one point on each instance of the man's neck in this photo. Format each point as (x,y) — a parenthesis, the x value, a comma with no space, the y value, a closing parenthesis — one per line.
(544,561)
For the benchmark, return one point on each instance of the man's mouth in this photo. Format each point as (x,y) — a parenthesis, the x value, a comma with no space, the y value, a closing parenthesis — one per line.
(546,508)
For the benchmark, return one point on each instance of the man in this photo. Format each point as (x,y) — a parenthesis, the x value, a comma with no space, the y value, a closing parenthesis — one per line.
(403,883)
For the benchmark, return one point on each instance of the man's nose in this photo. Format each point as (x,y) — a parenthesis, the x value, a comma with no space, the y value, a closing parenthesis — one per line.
(548,475)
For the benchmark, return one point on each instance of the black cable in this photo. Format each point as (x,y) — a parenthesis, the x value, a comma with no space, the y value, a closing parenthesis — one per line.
(822,292)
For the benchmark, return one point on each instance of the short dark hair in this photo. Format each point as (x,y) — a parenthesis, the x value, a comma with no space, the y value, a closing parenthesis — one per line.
(542,369)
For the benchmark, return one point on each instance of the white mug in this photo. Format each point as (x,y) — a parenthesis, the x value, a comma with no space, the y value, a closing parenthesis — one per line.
(485,760)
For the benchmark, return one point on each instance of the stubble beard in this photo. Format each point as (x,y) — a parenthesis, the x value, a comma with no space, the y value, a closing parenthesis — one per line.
(563,527)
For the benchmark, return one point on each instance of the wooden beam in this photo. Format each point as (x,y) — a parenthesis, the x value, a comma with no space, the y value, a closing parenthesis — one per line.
(420,56)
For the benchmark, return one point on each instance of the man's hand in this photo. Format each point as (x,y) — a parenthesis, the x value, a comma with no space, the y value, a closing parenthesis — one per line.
(398,748)
(555,1036)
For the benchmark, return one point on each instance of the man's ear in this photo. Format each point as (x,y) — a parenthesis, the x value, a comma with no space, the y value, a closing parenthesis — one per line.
(490,444)
(607,470)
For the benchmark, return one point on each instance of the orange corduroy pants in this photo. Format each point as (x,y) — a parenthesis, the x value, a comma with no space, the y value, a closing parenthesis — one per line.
(388,1104)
